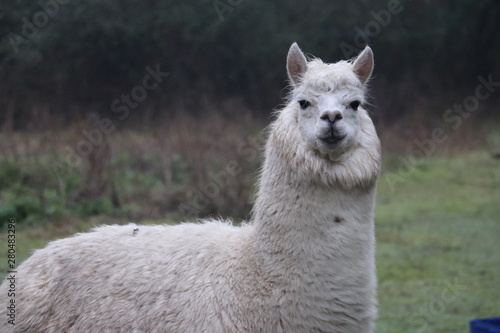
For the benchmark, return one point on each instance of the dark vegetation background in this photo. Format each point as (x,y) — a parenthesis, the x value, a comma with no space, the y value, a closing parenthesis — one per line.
(91,51)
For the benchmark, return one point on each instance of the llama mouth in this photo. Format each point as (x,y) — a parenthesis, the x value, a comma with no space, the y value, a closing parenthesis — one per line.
(332,138)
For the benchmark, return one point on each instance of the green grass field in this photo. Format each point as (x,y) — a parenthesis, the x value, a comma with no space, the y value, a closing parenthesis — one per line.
(438,248)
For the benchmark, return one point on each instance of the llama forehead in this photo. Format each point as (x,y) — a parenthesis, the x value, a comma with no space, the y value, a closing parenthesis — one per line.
(339,96)
(321,77)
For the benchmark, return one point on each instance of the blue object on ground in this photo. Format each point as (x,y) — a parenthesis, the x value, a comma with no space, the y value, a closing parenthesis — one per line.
(488,325)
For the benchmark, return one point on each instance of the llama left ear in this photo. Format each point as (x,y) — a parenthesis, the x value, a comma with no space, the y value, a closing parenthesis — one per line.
(363,65)
(296,64)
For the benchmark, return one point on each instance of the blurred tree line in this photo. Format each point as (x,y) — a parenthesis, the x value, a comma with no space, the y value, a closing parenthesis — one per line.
(61,59)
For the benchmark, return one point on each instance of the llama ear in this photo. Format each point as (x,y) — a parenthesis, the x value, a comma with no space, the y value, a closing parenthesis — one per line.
(296,64)
(363,65)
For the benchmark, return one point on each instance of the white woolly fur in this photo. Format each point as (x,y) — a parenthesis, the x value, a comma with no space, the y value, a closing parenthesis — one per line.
(303,263)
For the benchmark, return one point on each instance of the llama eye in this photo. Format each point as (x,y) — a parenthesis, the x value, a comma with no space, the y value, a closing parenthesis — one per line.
(354,105)
(304,104)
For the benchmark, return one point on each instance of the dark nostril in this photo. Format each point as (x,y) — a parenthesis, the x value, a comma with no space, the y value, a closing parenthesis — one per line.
(332,116)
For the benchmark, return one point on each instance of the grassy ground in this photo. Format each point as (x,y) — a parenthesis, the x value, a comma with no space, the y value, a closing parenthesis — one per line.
(438,253)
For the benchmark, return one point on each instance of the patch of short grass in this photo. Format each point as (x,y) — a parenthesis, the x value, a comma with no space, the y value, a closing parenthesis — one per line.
(438,254)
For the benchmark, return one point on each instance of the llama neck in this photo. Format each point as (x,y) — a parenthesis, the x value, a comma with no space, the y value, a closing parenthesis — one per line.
(296,217)
(305,211)
(313,235)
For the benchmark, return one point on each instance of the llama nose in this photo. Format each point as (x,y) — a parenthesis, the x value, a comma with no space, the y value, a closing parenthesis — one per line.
(332,116)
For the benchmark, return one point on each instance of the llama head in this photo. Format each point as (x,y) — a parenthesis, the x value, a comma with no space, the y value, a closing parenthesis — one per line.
(326,101)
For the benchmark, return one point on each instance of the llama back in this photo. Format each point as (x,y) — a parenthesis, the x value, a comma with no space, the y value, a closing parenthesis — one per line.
(186,271)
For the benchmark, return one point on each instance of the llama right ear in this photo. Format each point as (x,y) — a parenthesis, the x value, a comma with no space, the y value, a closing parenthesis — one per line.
(363,65)
(296,64)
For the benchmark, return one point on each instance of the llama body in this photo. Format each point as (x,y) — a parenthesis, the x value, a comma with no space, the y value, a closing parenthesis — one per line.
(304,263)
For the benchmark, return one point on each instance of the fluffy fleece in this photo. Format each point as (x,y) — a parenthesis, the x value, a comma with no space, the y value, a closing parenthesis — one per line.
(303,263)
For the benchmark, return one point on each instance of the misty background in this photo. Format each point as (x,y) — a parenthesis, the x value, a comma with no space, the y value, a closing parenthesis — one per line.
(61,60)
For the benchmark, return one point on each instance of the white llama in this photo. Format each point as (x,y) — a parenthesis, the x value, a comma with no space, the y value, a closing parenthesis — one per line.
(304,263)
